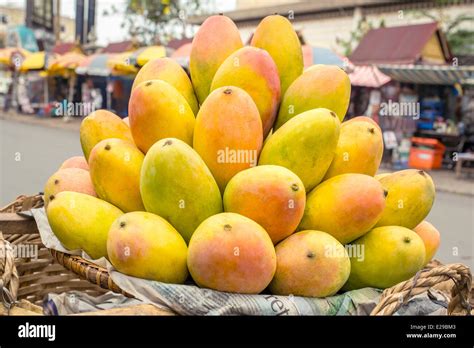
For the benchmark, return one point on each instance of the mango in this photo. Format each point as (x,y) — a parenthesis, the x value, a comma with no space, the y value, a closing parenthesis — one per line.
(216,39)
(75,162)
(346,206)
(157,111)
(229,252)
(82,222)
(305,145)
(253,70)
(363,118)
(387,256)
(310,263)
(431,238)
(276,35)
(115,167)
(411,195)
(320,86)
(359,149)
(272,196)
(68,179)
(176,185)
(126,120)
(228,133)
(170,71)
(382,175)
(144,245)
(100,125)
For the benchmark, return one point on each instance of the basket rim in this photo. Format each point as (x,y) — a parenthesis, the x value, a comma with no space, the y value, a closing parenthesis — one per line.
(390,301)
(434,273)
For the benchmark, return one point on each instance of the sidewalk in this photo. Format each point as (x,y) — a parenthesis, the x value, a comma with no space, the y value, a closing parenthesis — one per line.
(73,124)
(445,181)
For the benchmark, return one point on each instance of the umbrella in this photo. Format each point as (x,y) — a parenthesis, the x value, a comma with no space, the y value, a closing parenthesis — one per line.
(95,65)
(368,76)
(141,56)
(183,51)
(36,61)
(7,55)
(181,55)
(121,62)
(321,55)
(67,62)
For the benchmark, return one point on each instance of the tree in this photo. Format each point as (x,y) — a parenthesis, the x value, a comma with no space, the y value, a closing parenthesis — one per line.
(159,21)
(459,38)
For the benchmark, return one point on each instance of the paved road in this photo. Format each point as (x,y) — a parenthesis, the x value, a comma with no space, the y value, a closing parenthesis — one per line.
(42,150)
(30,154)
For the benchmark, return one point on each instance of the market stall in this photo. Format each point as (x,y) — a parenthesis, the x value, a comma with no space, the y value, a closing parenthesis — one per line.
(422,99)
(11,59)
(33,86)
(63,68)
(95,75)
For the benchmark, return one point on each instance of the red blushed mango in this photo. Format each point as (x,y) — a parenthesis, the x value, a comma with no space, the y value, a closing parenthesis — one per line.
(346,206)
(68,179)
(115,172)
(168,70)
(253,70)
(157,111)
(146,246)
(320,86)
(228,133)
(216,39)
(272,196)
(276,35)
(431,238)
(359,149)
(229,252)
(75,162)
(310,263)
(100,125)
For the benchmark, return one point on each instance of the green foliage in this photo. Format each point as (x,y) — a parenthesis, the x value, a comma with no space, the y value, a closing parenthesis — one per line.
(460,38)
(158,21)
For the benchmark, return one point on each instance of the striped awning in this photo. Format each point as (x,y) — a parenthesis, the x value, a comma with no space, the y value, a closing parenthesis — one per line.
(368,76)
(430,74)
(121,63)
(67,62)
(95,65)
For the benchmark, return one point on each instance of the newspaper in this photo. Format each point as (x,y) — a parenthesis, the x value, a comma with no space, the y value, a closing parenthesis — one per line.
(188,299)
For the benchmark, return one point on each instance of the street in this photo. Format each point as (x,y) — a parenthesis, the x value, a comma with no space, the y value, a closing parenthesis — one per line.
(31,153)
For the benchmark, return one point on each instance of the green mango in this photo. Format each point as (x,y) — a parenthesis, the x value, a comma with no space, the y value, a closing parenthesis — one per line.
(410,196)
(176,184)
(384,256)
(81,221)
(305,145)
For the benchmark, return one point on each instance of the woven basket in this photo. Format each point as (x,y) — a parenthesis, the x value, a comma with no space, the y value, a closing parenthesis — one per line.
(38,275)
(58,272)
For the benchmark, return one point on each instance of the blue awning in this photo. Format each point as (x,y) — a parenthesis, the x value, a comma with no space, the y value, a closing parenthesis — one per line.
(430,74)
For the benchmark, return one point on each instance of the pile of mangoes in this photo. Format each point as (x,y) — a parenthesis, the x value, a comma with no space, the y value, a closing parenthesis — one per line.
(243,176)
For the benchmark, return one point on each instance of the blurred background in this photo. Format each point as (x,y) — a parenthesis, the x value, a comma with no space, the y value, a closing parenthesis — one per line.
(411,66)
